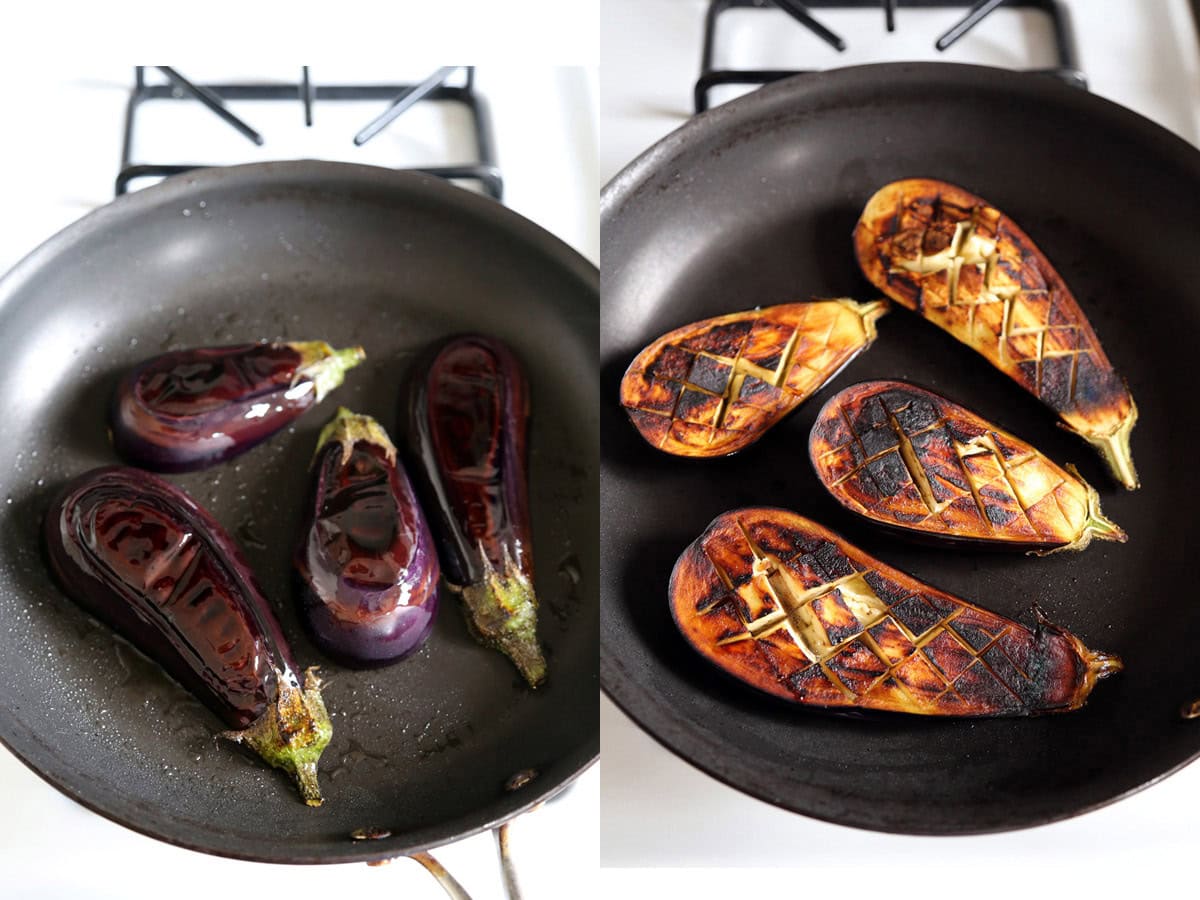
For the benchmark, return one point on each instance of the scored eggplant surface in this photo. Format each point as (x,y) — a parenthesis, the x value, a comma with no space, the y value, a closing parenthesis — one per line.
(908,458)
(965,266)
(792,609)
(714,387)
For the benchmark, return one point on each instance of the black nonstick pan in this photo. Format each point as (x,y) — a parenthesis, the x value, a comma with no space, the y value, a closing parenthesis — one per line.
(424,749)
(753,204)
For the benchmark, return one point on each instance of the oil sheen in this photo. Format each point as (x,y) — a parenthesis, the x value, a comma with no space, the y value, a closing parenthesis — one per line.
(465,409)
(365,536)
(206,380)
(176,584)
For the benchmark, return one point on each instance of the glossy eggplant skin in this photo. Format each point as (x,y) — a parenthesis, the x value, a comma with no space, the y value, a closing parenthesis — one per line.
(963,265)
(467,409)
(909,459)
(191,409)
(142,557)
(792,609)
(714,387)
(367,562)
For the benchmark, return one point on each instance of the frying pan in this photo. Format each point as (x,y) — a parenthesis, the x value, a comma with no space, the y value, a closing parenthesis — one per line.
(298,250)
(753,204)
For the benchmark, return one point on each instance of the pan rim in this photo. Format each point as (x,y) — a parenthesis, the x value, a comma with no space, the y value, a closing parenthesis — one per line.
(900,75)
(177,187)
(801,94)
(20,741)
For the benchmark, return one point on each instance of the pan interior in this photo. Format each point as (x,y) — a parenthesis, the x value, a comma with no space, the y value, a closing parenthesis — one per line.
(300,251)
(754,205)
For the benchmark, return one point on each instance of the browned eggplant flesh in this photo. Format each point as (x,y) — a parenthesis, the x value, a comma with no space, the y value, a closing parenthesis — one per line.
(714,387)
(966,267)
(907,458)
(792,609)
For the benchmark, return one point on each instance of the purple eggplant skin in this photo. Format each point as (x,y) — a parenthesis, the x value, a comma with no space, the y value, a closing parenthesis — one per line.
(367,563)
(144,558)
(191,409)
(467,409)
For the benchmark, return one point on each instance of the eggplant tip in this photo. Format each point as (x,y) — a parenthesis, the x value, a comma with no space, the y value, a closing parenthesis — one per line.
(1114,448)
(1096,526)
(501,611)
(1104,664)
(324,366)
(348,428)
(868,313)
(293,733)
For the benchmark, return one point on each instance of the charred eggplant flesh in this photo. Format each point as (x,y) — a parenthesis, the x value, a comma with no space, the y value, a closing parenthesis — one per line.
(788,607)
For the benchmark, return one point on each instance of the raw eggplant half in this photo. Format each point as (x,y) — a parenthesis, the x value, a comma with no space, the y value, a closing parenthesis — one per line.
(790,608)
(965,266)
(467,409)
(191,409)
(907,458)
(714,387)
(366,561)
(143,557)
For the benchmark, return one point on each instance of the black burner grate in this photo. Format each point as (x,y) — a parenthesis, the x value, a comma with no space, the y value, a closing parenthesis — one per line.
(402,97)
(711,77)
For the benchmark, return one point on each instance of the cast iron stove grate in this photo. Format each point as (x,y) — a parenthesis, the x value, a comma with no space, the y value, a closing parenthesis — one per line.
(402,96)
(710,76)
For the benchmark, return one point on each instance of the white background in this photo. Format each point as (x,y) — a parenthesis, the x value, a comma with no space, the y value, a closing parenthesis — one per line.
(62,124)
(657,810)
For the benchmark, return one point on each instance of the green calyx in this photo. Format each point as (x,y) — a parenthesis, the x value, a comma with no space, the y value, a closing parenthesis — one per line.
(1114,449)
(293,732)
(348,428)
(867,314)
(502,613)
(1095,525)
(325,367)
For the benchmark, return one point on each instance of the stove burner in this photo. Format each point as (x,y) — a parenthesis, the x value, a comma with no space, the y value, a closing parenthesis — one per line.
(402,97)
(711,77)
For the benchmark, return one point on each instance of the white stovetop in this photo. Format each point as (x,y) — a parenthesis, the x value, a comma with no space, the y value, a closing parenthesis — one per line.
(659,811)
(545,134)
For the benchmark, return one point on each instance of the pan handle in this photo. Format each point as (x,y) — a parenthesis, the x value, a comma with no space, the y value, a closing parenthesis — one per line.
(508,869)
(449,883)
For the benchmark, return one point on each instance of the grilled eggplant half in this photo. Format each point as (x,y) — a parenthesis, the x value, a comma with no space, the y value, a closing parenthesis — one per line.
(908,458)
(792,609)
(714,387)
(965,266)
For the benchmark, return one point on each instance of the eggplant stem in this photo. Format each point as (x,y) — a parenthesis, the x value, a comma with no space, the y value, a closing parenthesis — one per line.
(348,428)
(1097,664)
(1190,710)
(1115,450)
(502,613)
(449,883)
(1104,664)
(293,733)
(325,367)
(1096,525)
(868,313)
